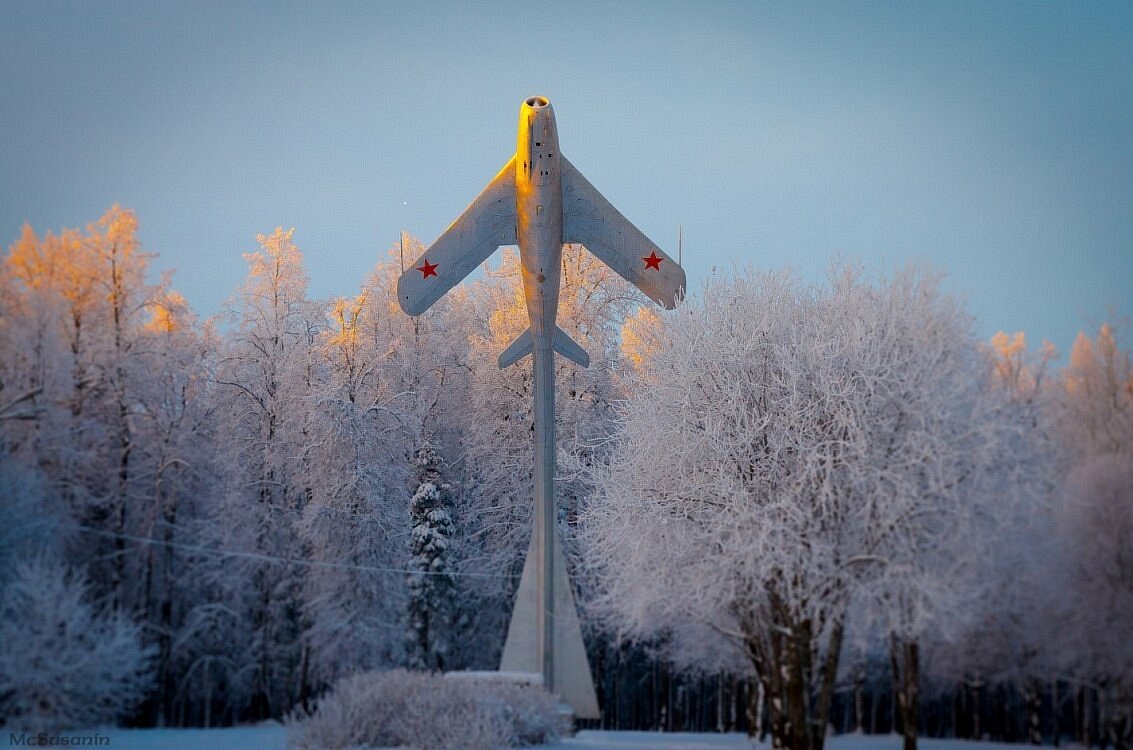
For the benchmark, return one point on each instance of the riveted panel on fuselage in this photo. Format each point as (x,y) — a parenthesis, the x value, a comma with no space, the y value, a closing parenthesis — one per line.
(539,215)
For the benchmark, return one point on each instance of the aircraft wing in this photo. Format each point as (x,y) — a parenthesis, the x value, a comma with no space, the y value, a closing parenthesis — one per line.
(485,225)
(591,220)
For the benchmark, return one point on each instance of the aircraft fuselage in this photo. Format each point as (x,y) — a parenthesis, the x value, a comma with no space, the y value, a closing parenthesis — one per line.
(539,215)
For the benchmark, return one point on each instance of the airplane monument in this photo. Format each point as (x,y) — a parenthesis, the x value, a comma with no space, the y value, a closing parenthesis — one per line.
(540,202)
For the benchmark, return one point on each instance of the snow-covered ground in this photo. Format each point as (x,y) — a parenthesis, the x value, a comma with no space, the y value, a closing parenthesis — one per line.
(679,741)
(651,740)
(274,737)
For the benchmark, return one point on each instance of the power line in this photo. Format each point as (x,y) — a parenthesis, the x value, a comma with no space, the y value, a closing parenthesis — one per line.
(286,560)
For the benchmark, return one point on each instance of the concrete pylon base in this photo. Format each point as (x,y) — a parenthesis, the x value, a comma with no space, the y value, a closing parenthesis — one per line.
(572,682)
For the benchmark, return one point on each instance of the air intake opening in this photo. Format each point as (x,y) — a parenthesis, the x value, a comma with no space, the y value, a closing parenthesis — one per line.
(536,102)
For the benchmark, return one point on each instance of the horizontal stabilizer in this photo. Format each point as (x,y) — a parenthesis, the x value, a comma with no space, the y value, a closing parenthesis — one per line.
(566,346)
(517,350)
(562,343)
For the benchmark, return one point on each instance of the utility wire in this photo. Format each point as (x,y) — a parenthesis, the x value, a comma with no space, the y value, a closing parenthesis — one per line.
(286,560)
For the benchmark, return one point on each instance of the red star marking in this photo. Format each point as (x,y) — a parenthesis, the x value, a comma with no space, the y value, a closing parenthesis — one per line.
(428,269)
(653,261)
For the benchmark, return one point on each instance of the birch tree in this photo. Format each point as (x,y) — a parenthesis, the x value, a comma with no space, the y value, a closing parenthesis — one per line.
(354,518)
(265,375)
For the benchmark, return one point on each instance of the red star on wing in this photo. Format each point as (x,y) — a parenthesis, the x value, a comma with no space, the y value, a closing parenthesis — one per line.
(427,270)
(653,261)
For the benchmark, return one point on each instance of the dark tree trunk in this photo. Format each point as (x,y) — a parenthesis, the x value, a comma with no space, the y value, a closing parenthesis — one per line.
(797,666)
(859,700)
(1121,732)
(827,677)
(975,685)
(1033,698)
(1055,709)
(1083,728)
(904,657)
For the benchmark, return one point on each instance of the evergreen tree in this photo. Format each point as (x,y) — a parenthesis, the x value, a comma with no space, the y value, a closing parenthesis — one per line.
(431,584)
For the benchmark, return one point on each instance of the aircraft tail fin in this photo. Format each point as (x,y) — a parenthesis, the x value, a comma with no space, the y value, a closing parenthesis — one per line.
(561,343)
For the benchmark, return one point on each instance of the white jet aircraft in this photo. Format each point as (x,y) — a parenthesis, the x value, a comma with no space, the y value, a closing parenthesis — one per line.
(540,202)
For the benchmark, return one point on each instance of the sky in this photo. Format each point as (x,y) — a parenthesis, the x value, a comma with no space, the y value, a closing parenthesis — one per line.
(993,140)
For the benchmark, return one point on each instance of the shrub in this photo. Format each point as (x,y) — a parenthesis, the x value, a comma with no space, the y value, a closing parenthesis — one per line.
(421,710)
(63,664)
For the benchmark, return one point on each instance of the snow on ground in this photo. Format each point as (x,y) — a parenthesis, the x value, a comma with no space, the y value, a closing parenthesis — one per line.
(274,737)
(650,740)
(682,741)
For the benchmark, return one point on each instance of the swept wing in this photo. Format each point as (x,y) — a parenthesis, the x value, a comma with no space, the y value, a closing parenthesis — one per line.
(591,220)
(485,225)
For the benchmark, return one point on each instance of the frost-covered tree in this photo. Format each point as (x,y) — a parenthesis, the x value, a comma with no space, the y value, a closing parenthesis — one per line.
(264,379)
(26,337)
(118,267)
(354,519)
(1095,516)
(175,463)
(431,585)
(63,662)
(84,299)
(958,463)
(998,634)
(782,445)
(110,414)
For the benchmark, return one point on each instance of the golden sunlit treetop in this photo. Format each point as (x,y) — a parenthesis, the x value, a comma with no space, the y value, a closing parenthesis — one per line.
(639,336)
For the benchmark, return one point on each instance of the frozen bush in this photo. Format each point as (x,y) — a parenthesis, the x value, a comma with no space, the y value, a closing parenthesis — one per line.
(63,664)
(531,712)
(421,710)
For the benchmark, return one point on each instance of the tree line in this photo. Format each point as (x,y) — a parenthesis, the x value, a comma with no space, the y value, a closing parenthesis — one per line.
(829,482)
(842,507)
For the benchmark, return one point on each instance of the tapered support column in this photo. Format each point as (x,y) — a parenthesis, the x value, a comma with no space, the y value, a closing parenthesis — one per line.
(543,365)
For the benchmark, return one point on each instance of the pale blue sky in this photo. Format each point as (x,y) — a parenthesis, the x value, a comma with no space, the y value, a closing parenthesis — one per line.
(994,139)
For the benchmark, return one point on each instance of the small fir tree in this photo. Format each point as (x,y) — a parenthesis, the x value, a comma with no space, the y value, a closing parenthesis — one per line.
(431,584)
